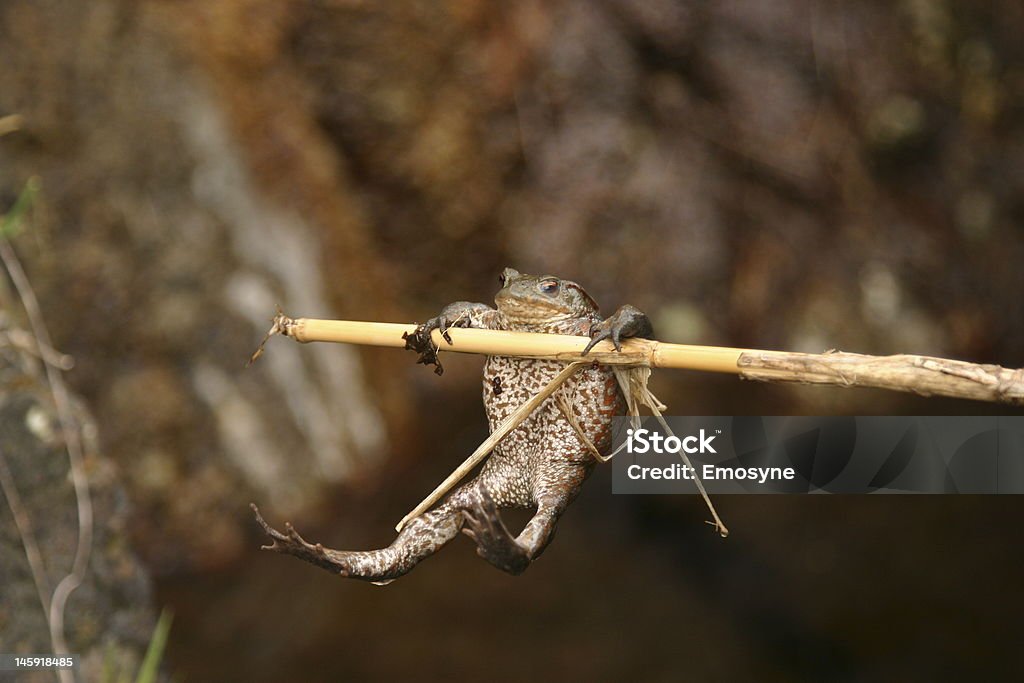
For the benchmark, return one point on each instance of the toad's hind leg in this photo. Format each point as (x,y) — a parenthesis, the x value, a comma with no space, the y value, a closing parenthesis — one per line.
(513,554)
(419,539)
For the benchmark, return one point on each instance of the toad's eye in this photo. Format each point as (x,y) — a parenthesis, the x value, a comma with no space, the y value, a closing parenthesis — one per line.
(501,279)
(549,286)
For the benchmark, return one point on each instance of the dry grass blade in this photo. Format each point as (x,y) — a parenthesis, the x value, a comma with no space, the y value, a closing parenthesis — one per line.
(634,382)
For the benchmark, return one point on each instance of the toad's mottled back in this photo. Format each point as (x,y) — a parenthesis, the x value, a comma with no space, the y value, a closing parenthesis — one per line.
(541,463)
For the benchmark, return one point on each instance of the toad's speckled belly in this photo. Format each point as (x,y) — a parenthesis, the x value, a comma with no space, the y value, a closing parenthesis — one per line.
(593,393)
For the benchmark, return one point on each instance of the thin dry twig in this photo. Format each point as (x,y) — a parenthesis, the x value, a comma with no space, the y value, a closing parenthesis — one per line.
(72,441)
(23,523)
(23,341)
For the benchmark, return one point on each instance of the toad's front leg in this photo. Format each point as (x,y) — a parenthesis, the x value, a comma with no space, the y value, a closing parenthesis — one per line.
(458,314)
(626,322)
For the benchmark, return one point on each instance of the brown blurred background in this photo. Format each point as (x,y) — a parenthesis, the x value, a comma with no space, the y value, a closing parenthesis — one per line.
(791,175)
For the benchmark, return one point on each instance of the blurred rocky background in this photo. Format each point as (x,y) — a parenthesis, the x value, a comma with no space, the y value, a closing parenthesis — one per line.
(791,175)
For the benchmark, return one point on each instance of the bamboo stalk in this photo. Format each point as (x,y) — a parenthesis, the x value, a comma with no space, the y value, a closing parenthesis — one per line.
(528,344)
(923,375)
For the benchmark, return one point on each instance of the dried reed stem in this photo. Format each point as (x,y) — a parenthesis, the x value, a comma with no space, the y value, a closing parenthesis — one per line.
(916,374)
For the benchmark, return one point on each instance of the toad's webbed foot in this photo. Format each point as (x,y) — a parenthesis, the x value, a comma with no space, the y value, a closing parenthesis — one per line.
(626,322)
(494,543)
(458,314)
(291,543)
